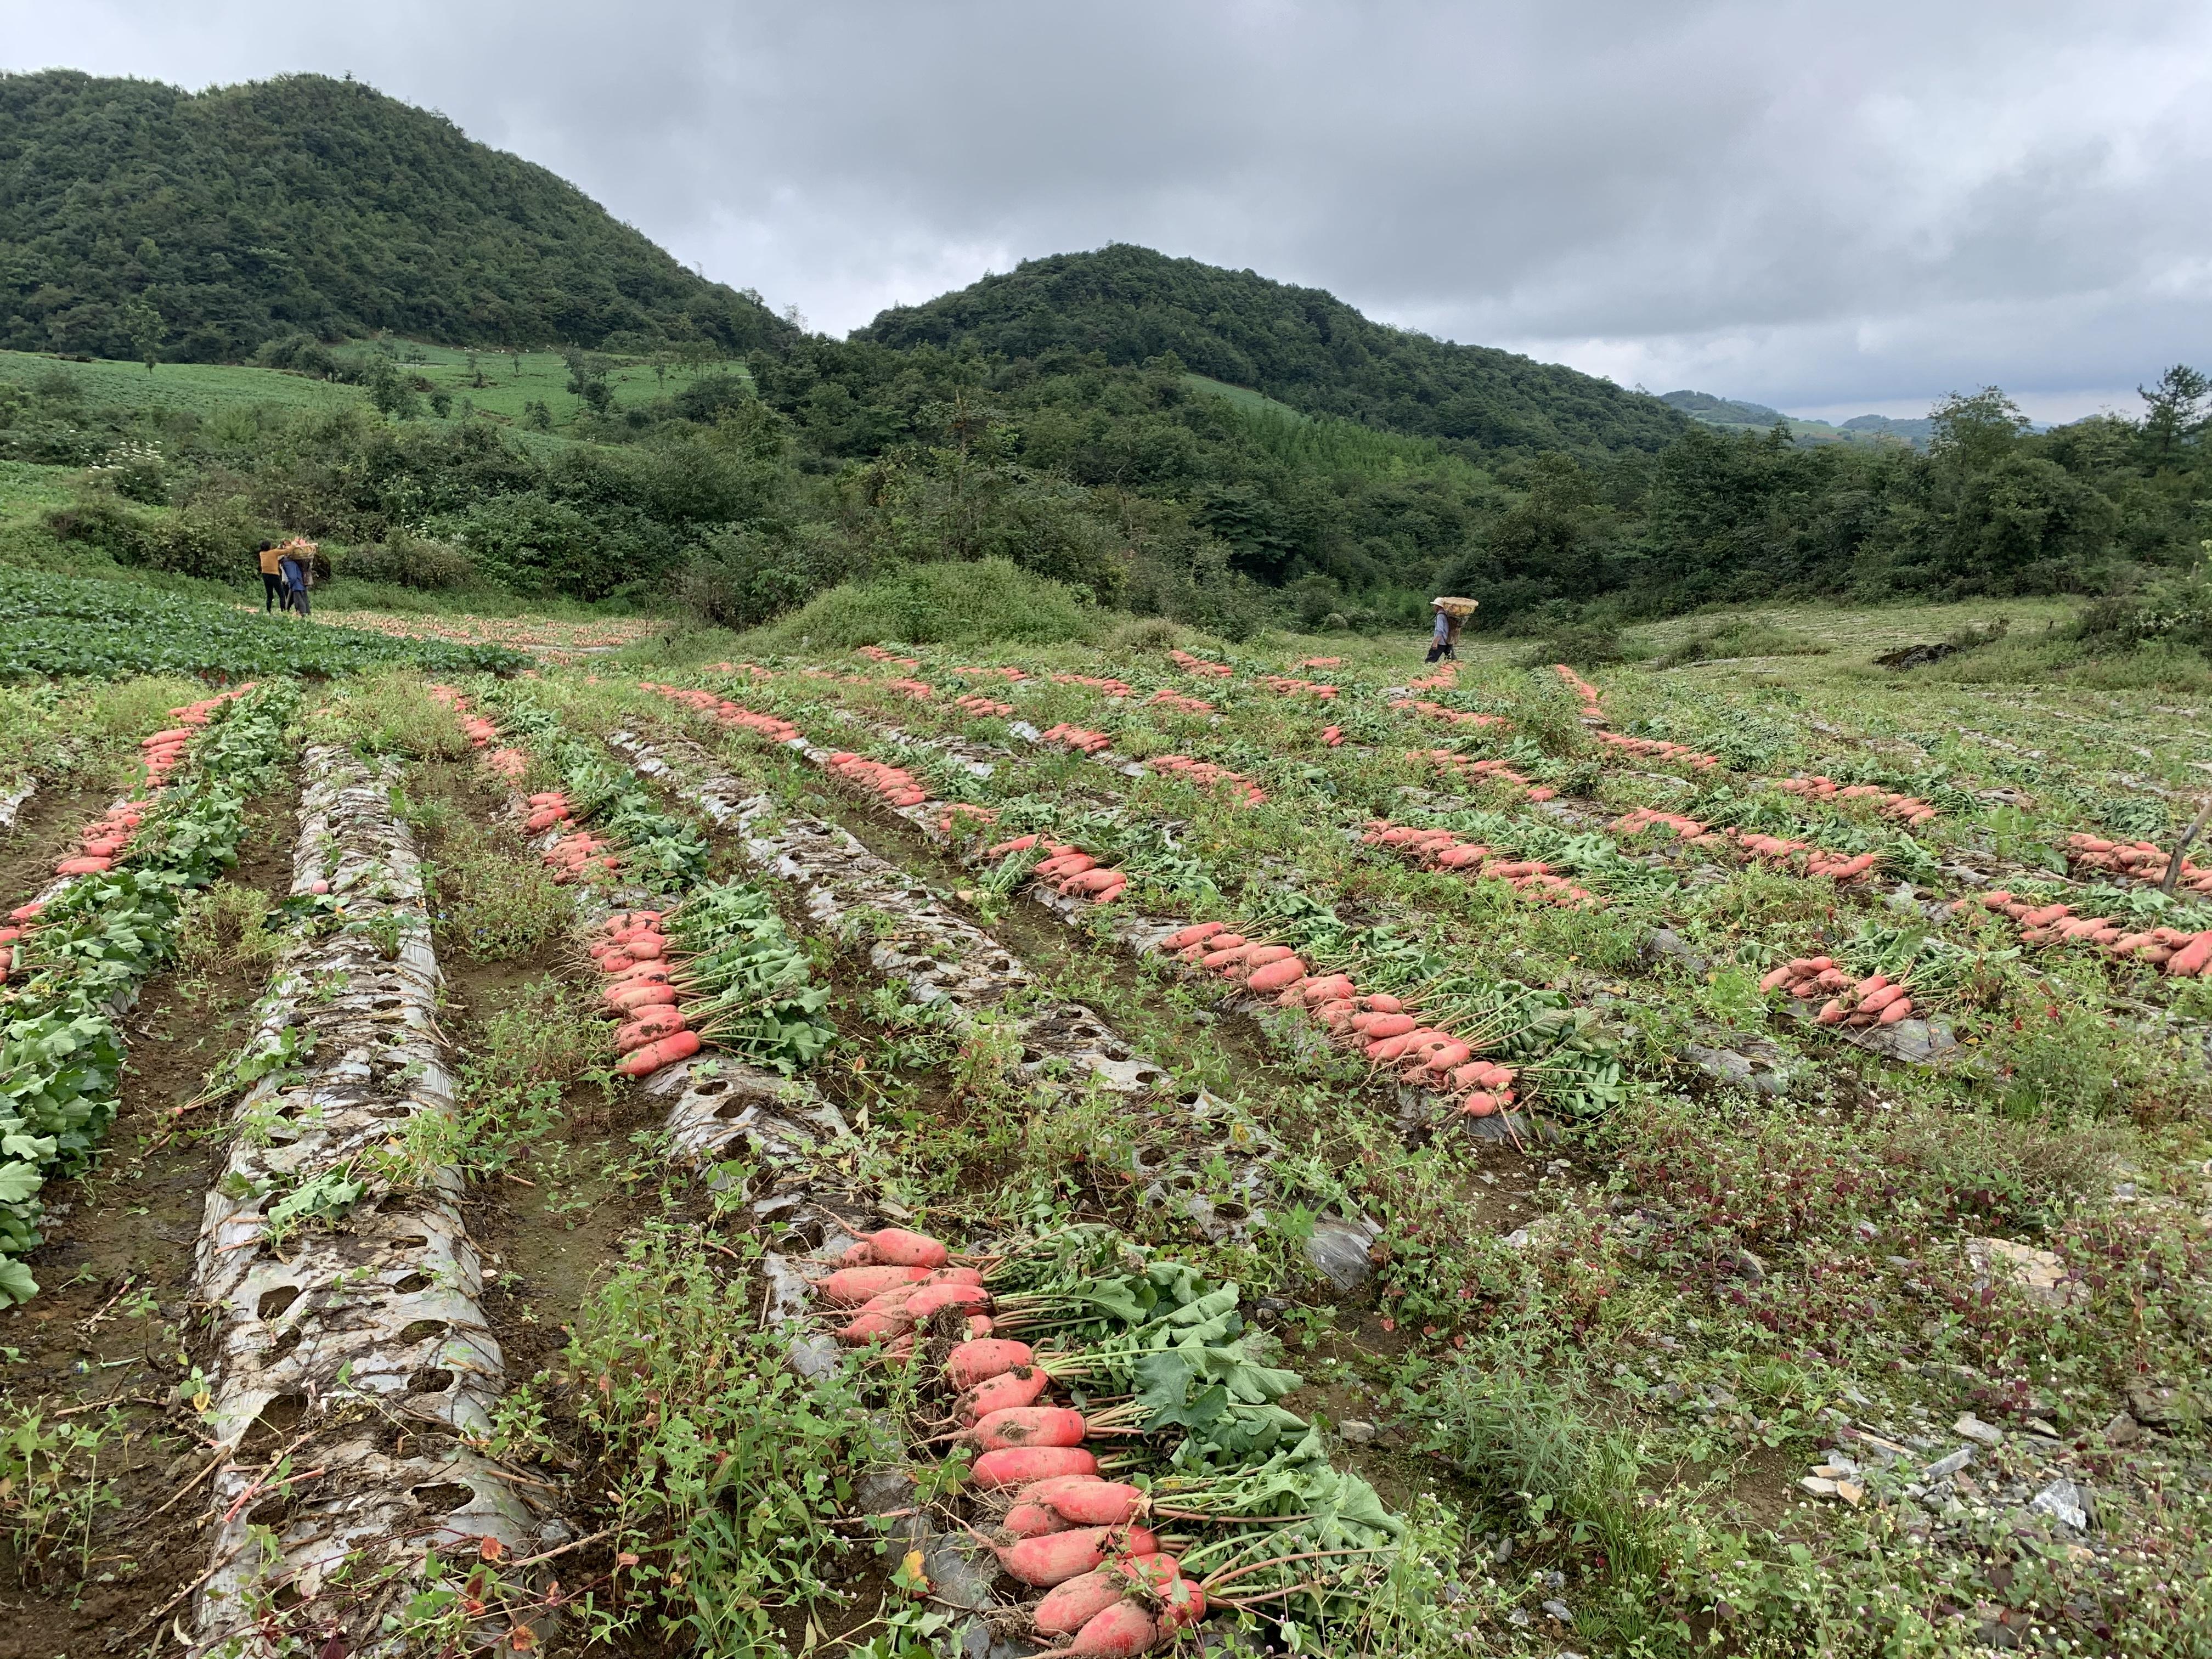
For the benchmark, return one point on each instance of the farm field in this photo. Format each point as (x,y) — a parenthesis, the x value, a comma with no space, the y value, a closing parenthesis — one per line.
(201,389)
(520,1137)
(512,381)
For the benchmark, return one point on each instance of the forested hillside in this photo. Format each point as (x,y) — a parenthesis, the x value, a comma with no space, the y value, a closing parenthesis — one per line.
(1733,415)
(1301,346)
(1158,434)
(139,220)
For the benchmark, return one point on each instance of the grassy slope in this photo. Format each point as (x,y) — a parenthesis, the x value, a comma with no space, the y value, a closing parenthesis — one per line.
(201,389)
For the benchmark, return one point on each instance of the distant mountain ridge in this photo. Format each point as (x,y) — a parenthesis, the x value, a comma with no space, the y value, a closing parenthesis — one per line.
(1301,346)
(1735,413)
(134,215)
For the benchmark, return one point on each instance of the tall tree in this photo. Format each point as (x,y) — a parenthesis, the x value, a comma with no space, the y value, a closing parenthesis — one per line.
(2175,416)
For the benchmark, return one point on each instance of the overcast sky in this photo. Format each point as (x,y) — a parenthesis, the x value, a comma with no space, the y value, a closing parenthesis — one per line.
(1831,208)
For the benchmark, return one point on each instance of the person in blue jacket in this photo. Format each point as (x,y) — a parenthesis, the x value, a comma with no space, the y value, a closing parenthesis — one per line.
(294,565)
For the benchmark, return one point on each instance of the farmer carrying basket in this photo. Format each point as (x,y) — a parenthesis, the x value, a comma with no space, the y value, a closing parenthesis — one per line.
(1451,617)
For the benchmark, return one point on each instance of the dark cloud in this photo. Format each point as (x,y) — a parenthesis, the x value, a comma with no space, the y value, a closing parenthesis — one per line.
(1814,207)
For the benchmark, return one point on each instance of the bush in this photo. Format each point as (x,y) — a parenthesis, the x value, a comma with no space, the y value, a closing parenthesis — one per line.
(741,580)
(942,603)
(1578,645)
(97,518)
(1738,636)
(2176,612)
(303,353)
(410,560)
(220,543)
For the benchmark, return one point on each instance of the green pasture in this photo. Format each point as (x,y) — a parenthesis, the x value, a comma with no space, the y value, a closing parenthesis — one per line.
(203,389)
(499,384)
(504,384)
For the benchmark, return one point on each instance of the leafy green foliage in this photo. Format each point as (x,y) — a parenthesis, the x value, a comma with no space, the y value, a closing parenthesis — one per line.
(1303,346)
(61,1050)
(53,625)
(719,1465)
(748,979)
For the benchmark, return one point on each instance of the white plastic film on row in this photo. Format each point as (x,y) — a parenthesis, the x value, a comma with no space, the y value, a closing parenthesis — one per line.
(355,1362)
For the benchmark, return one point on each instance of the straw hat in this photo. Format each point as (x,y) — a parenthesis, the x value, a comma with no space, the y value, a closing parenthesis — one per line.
(1454,607)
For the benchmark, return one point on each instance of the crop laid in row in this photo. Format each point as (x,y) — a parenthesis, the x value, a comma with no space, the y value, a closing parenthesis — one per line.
(714,968)
(1518,1025)
(1134,1519)
(2147,934)
(2140,860)
(354,1368)
(76,954)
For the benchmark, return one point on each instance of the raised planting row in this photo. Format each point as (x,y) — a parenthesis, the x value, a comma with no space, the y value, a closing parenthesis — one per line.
(1445,1039)
(76,954)
(713,968)
(1532,1029)
(355,1369)
(1171,1487)
(1777,850)
(1443,850)
(1798,857)
(1592,700)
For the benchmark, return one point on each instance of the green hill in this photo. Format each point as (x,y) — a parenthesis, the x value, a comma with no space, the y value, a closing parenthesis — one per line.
(1299,345)
(1735,415)
(134,214)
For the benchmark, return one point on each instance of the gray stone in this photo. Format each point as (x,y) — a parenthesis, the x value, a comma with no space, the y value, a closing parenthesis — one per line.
(2041,1276)
(1722,1065)
(1356,1432)
(1665,942)
(1560,1611)
(2067,1501)
(1971,1427)
(2123,1429)
(2155,1404)
(1339,1250)
(1945,1466)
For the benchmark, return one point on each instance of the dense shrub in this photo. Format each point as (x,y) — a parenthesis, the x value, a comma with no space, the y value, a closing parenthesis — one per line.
(943,603)
(410,561)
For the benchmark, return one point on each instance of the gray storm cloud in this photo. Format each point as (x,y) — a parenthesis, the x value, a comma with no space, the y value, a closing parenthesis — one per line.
(1817,208)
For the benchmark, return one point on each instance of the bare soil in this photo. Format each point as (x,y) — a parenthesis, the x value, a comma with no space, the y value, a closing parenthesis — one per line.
(44,833)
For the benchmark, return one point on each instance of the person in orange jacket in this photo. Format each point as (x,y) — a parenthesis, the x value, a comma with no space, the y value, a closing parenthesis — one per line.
(275,596)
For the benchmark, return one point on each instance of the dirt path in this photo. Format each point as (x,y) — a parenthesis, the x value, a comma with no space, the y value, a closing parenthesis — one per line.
(547,1229)
(105,1348)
